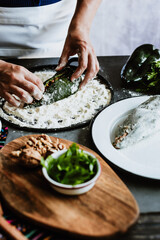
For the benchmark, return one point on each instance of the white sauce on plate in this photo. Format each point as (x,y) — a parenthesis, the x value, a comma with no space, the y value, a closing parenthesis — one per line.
(141,123)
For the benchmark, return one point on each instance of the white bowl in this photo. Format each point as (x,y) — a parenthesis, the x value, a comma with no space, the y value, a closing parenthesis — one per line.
(72,189)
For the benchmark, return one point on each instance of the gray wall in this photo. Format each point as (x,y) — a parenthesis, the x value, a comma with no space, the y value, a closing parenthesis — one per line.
(122,25)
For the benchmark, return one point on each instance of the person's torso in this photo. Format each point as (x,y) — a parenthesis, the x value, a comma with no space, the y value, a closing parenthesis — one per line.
(38,31)
(26,3)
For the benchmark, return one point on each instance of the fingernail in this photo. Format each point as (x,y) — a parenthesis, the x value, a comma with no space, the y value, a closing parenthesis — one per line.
(82,85)
(29,99)
(37,95)
(73,78)
(42,88)
(57,68)
(17,104)
(61,65)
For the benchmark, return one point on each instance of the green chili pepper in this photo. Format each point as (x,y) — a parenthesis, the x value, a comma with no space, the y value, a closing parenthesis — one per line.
(142,70)
(72,167)
(57,87)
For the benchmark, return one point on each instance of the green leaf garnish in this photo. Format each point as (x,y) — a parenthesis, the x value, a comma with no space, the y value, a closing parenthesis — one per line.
(72,167)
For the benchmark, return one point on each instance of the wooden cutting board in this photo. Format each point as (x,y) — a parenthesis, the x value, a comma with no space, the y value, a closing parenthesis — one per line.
(107,209)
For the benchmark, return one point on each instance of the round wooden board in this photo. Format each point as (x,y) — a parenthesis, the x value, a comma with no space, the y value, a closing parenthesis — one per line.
(107,209)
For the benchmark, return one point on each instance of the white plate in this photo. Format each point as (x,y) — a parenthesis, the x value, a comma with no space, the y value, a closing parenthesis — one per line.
(141,158)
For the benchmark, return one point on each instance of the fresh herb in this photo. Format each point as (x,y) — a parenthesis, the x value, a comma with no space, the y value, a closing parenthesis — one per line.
(72,167)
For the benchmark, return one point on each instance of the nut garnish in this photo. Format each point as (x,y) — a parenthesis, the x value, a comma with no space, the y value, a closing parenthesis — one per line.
(36,147)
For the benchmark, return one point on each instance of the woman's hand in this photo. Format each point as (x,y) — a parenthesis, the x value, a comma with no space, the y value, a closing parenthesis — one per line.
(78,42)
(17,80)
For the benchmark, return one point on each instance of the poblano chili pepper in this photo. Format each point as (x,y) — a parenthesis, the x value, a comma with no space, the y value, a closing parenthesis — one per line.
(57,87)
(142,70)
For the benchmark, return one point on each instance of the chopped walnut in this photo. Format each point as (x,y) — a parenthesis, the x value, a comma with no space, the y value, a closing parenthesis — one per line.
(61,146)
(55,144)
(32,141)
(46,142)
(16,153)
(46,137)
(30,154)
(30,157)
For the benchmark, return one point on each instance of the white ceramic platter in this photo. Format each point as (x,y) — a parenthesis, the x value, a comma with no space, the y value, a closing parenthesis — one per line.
(142,158)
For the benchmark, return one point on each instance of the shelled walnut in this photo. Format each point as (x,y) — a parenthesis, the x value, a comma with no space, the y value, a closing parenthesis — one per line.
(36,147)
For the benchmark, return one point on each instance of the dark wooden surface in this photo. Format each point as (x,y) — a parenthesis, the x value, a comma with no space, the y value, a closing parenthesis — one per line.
(147,228)
(146,191)
(107,209)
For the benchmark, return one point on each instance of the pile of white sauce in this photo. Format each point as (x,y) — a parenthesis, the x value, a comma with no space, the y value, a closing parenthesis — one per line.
(77,108)
(143,122)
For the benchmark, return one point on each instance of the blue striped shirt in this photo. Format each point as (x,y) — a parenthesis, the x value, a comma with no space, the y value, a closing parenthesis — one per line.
(25,3)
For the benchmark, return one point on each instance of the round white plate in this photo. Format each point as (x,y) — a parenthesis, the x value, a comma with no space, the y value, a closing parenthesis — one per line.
(141,158)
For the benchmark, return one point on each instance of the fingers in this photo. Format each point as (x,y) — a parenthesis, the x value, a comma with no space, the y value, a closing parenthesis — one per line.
(30,88)
(21,82)
(16,74)
(9,98)
(83,62)
(22,94)
(63,60)
(92,69)
(29,82)
(32,84)
(34,80)
(26,86)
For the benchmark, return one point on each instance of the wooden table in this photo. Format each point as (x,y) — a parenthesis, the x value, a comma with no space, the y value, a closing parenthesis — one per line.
(145,191)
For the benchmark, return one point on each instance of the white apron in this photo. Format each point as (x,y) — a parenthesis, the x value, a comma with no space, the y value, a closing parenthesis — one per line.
(35,31)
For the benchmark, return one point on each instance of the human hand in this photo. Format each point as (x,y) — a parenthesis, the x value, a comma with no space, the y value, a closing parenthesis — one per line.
(17,80)
(78,42)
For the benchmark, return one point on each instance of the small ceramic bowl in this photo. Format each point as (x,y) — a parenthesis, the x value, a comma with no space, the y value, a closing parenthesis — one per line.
(72,189)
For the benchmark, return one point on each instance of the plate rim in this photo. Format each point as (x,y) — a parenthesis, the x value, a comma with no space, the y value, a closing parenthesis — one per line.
(107,158)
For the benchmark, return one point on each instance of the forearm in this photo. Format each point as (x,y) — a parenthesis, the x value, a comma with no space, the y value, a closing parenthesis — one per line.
(84,14)
(78,41)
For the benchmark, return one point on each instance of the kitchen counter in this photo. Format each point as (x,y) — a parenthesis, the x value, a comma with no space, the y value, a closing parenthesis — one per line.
(145,191)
